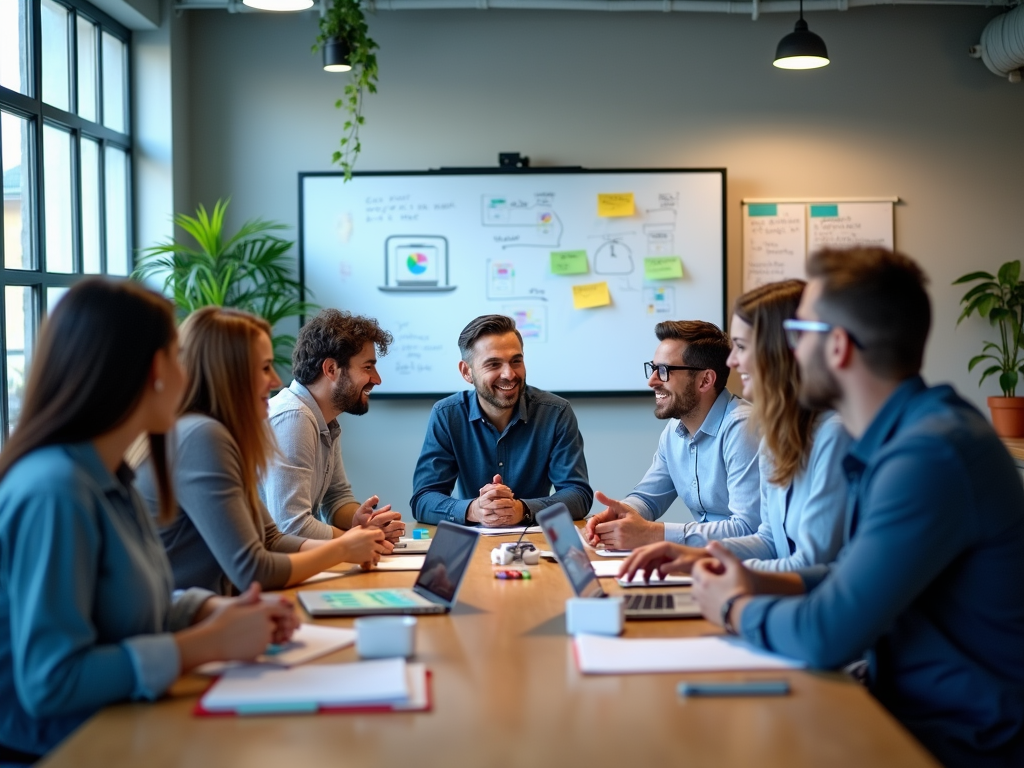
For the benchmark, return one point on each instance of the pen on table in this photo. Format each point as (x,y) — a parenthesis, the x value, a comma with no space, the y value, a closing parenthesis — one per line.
(739,688)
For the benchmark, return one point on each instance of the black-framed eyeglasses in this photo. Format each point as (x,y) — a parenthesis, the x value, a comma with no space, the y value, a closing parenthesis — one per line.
(665,370)
(795,329)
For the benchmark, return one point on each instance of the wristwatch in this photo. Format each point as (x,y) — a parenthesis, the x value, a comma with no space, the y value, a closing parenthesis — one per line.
(726,610)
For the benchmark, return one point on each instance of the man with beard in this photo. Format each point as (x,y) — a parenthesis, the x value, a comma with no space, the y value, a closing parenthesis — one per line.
(505,443)
(930,582)
(305,487)
(707,455)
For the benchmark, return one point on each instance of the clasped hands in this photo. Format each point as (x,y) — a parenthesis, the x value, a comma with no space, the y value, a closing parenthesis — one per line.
(384,518)
(496,506)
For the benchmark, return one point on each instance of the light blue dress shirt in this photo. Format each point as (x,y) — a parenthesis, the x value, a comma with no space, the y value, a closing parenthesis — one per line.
(802,521)
(714,472)
(541,447)
(930,582)
(86,609)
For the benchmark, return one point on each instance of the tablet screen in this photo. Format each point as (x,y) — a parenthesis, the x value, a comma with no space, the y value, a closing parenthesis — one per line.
(565,543)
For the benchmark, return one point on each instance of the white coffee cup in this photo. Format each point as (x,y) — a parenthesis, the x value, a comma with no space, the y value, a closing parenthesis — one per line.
(379,637)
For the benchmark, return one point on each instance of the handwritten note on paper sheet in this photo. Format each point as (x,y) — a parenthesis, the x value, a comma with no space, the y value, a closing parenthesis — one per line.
(590,295)
(774,242)
(843,225)
(615,204)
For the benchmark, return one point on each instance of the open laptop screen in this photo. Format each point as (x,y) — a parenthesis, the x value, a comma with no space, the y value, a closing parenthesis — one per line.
(446,562)
(565,543)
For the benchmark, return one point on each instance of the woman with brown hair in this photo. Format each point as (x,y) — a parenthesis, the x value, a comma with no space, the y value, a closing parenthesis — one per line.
(803,487)
(87,616)
(223,538)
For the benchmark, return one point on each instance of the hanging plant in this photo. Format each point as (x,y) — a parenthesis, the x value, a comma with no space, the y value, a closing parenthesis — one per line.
(343,29)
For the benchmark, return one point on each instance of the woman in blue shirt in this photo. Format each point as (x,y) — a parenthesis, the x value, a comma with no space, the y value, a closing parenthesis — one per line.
(87,615)
(803,488)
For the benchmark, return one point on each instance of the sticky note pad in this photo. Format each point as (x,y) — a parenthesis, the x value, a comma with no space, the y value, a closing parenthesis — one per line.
(615,204)
(569,263)
(663,268)
(590,295)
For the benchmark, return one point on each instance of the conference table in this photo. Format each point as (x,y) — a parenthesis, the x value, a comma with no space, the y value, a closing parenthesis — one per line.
(506,691)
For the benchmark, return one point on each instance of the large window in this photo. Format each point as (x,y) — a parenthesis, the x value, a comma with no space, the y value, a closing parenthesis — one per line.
(65,152)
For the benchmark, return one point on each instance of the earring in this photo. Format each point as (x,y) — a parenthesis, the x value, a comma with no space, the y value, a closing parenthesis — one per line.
(158,385)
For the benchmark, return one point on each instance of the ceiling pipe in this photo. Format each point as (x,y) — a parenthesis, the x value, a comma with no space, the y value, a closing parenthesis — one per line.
(1002,45)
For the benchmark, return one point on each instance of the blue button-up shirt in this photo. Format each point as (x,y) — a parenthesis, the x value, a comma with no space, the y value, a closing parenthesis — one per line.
(86,611)
(541,447)
(802,521)
(930,583)
(714,471)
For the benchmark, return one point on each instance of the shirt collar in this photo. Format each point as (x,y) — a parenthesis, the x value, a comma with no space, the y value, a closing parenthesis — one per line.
(88,458)
(885,421)
(713,421)
(522,409)
(304,395)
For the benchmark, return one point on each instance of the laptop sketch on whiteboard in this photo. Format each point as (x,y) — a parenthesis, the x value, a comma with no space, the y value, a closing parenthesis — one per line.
(416,263)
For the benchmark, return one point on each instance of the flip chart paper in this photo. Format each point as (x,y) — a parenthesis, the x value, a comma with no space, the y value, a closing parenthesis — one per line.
(615,204)
(622,656)
(844,225)
(590,295)
(663,268)
(774,243)
(569,263)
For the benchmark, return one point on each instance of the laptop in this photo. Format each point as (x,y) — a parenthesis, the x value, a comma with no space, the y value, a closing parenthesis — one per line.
(416,263)
(572,556)
(435,591)
(405,546)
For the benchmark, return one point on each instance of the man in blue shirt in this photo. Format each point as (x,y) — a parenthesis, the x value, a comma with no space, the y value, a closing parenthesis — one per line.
(931,581)
(707,454)
(505,443)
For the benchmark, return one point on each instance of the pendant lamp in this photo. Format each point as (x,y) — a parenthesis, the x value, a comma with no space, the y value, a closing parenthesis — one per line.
(279,5)
(336,53)
(801,48)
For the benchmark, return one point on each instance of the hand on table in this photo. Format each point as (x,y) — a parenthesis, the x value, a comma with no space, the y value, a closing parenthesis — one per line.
(242,627)
(662,558)
(719,577)
(496,506)
(619,526)
(364,545)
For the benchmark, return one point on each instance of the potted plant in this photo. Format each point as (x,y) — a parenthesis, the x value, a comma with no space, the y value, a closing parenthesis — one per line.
(1000,298)
(250,270)
(344,40)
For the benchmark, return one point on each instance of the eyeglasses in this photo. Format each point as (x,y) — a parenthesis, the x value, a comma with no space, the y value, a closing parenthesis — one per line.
(795,329)
(665,370)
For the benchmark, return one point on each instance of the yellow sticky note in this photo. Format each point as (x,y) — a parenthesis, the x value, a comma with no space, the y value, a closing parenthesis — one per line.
(615,204)
(662,268)
(590,295)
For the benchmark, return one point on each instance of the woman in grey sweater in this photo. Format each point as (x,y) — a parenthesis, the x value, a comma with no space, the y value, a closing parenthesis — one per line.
(223,539)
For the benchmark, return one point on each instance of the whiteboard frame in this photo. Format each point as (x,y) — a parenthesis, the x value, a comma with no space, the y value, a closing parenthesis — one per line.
(572,170)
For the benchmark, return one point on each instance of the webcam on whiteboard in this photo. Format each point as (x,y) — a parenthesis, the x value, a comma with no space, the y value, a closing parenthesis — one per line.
(416,263)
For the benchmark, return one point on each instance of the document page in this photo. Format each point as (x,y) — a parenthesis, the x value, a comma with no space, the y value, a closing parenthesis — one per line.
(598,655)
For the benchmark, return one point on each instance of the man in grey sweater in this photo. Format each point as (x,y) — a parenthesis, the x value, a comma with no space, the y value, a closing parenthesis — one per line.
(305,487)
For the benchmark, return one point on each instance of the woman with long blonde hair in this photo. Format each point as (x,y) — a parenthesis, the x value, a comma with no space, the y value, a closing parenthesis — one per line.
(223,538)
(803,487)
(88,616)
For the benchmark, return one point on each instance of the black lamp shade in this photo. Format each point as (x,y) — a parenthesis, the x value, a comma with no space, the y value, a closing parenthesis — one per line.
(336,53)
(801,43)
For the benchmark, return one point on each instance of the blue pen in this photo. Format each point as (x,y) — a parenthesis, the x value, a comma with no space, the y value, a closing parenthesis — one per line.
(740,688)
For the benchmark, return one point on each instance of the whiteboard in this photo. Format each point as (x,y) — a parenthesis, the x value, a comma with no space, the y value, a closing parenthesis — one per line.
(779,236)
(426,252)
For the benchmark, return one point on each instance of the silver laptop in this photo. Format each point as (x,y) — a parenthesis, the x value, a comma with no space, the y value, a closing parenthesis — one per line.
(568,548)
(435,591)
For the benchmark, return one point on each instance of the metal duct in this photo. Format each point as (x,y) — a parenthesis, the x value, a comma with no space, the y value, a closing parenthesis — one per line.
(1002,45)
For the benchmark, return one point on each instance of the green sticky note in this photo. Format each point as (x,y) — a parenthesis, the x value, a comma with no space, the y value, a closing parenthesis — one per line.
(569,263)
(823,211)
(663,268)
(762,209)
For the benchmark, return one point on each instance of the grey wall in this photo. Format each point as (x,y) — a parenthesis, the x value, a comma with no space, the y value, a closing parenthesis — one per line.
(901,111)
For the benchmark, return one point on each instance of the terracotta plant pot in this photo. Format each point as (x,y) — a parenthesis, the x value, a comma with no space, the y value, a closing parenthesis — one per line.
(1007,415)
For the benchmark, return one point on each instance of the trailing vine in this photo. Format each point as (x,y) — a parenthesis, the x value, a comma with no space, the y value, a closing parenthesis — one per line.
(344,20)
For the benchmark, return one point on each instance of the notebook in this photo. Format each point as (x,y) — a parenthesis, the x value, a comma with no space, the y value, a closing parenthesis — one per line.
(435,591)
(572,556)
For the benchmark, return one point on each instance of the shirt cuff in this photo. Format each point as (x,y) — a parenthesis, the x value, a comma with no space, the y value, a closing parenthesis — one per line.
(156,663)
(185,604)
(641,507)
(675,532)
(685,533)
(753,620)
(457,511)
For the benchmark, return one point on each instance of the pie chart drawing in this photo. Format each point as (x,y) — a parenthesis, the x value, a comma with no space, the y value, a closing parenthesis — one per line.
(417,263)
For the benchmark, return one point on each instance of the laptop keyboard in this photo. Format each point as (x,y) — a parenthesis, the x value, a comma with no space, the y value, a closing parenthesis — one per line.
(650,603)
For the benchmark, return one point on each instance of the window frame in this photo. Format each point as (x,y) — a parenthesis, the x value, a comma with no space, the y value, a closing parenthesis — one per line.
(38,114)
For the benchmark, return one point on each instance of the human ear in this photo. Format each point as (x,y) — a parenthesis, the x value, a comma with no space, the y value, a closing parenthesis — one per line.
(329,368)
(466,371)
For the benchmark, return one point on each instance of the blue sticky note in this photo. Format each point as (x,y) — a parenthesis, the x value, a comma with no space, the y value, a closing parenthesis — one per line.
(824,211)
(762,209)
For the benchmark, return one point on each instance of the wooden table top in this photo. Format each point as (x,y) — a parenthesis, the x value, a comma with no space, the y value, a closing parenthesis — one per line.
(1015,445)
(506,691)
